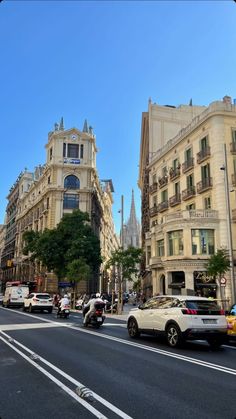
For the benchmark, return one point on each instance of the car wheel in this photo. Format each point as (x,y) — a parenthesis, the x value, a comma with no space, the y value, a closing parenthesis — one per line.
(30,309)
(133,329)
(215,343)
(174,336)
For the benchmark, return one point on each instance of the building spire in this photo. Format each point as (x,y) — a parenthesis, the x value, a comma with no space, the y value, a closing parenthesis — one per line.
(132,209)
(85,128)
(61,127)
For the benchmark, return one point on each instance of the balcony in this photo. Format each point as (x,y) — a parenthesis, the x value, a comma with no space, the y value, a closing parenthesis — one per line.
(233,147)
(203,154)
(162,181)
(153,211)
(163,206)
(234,179)
(174,173)
(175,200)
(204,185)
(153,187)
(188,193)
(188,165)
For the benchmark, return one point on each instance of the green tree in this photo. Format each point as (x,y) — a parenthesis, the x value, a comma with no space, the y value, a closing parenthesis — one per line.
(61,248)
(127,263)
(218,264)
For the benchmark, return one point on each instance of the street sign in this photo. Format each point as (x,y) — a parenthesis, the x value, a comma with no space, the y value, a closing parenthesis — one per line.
(223,281)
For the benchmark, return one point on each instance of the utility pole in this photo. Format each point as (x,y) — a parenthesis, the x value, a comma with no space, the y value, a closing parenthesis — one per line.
(229,226)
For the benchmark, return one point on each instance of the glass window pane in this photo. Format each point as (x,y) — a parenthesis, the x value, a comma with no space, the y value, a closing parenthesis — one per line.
(203,242)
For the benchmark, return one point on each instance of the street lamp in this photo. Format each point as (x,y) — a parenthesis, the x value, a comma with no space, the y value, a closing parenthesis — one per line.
(224,167)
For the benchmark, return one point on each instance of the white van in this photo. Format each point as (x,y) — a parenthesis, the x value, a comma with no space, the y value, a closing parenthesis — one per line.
(14,295)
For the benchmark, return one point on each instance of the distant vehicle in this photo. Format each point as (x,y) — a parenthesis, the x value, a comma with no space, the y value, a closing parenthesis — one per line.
(231,321)
(38,301)
(179,318)
(15,294)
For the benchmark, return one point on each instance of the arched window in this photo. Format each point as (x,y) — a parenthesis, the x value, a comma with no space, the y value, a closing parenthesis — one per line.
(71,182)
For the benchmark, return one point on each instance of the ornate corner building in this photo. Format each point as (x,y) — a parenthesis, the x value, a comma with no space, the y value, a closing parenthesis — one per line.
(67,181)
(187,175)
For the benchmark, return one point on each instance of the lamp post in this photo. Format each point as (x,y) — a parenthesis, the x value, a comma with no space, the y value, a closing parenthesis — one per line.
(229,227)
(120,273)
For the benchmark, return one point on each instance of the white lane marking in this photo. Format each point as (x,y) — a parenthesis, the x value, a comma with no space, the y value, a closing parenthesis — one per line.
(147,348)
(230,347)
(23,326)
(87,406)
(110,406)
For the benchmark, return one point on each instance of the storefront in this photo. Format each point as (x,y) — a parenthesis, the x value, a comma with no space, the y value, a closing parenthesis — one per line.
(204,285)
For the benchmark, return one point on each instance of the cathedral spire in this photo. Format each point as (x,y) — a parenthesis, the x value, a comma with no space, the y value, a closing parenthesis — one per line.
(132,209)
(85,128)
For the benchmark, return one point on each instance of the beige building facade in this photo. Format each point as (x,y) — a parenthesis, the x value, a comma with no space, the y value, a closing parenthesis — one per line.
(182,178)
(67,181)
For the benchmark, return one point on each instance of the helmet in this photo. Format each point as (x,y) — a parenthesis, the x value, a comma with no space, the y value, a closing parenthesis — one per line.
(93,295)
(97,295)
(65,296)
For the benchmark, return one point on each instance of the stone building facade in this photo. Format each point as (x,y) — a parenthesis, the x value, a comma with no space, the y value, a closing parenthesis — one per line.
(67,181)
(186,195)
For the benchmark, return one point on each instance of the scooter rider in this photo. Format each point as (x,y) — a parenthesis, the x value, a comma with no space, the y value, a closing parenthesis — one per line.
(63,302)
(89,308)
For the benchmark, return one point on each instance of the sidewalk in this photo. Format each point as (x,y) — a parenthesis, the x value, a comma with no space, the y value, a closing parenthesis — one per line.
(124,316)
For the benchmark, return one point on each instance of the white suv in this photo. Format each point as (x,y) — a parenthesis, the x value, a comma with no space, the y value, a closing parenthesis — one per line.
(179,318)
(38,301)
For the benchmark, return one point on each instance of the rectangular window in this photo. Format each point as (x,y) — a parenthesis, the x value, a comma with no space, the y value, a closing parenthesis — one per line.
(177,188)
(73,151)
(64,150)
(175,164)
(188,154)
(203,143)
(234,136)
(82,151)
(190,182)
(160,248)
(154,178)
(47,203)
(205,171)
(154,200)
(190,207)
(49,180)
(148,255)
(50,153)
(164,195)
(175,243)
(203,242)
(71,201)
(207,202)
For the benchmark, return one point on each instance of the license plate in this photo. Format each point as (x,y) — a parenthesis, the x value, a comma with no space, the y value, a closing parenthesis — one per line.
(99,319)
(209,321)
(66,311)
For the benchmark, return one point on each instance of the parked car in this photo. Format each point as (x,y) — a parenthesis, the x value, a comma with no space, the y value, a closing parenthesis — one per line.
(179,318)
(231,321)
(38,301)
(14,295)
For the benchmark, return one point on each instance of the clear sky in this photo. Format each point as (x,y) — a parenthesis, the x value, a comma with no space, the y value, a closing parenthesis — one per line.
(102,60)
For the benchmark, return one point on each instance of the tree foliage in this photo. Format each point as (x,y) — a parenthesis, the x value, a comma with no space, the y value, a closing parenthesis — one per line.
(128,260)
(71,245)
(218,264)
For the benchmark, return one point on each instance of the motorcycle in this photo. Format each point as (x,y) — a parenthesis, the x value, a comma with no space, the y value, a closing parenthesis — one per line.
(79,305)
(109,308)
(64,312)
(97,318)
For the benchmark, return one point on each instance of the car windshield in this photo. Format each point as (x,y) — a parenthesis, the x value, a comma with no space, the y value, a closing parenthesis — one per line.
(43,296)
(202,305)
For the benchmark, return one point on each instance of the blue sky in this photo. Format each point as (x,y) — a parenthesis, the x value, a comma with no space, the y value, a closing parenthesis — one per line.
(102,60)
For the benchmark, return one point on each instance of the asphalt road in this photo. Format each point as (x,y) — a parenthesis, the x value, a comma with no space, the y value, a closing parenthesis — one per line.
(45,363)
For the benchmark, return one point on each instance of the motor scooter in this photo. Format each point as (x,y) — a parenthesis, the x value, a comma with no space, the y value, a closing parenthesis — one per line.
(96,318)
(79,305)
(64,311)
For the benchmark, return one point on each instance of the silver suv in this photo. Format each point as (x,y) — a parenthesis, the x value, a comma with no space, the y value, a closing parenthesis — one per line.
(179,318)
